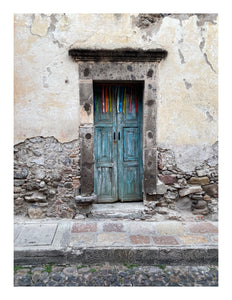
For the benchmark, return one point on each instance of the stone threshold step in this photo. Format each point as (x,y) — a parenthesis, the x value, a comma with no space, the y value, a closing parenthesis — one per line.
(125,210)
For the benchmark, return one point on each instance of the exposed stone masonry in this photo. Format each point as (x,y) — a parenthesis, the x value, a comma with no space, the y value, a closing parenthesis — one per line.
(179,191)
(46,177)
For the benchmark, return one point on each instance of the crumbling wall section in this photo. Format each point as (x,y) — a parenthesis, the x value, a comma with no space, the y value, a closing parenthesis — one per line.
(46,177)
(183,194)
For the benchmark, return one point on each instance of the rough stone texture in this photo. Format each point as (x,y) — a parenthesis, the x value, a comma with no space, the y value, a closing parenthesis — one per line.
(168,179)
(199,180)
(190,190)
(35,212)
(211,189)
(129,275)
(47,168)
(87,160)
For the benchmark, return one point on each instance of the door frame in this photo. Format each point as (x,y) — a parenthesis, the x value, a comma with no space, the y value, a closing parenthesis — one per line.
(137,66)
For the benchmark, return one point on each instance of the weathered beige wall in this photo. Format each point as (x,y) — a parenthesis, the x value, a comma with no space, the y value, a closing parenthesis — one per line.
(46,79)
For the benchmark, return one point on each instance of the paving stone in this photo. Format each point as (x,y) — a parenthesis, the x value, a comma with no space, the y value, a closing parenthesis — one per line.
(170,228)
(164,240)
(84,227)
(83,239)
(111,227)
(193,239)
(141,228)
(111,238)
(36,235)
(140,239)
(202,228)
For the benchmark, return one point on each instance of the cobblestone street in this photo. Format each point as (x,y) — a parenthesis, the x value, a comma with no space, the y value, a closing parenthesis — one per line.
(116,275)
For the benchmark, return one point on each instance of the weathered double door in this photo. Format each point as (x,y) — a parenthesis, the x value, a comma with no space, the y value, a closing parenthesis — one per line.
(118,142)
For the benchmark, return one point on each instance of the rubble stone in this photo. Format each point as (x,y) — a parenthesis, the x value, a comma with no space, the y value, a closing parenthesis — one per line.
(199,180)
(190,190)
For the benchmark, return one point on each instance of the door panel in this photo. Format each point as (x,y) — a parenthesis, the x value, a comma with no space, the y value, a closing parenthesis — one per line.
(130,144)
(118,146)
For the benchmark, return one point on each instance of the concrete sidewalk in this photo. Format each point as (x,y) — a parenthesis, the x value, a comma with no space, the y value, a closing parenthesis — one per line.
(115,241)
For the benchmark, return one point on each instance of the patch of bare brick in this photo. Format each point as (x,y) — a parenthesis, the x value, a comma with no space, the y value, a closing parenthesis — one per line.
(90,227)
(165,240)
(202,228)
(139,239)
(111,227)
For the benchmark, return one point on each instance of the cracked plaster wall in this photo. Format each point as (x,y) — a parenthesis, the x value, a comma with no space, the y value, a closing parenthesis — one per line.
(46,79)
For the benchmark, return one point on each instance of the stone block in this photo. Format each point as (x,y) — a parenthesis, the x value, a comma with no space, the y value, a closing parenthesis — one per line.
(170,228)
(86,92)
(35,212)
(200,204)
(168,179)
(36,197)
(199,180)
(211,189)
(139,239)
(87,160)
(36,235)
(202,228)
(193,239)
(111,238)
(83,239)
(141,228)
(207,198)
(84,227)
(184,203)
(22,174)
(202,172)
(190,190)
(150,171)
(164,240)
(111,227)
(161,188)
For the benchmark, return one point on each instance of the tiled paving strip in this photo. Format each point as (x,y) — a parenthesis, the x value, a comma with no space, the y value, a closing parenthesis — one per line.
(123,233)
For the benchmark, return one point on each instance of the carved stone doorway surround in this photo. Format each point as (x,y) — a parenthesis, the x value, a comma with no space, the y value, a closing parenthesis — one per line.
(117,65)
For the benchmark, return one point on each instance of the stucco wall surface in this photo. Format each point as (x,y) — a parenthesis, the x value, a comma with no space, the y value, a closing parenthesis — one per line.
(46,78)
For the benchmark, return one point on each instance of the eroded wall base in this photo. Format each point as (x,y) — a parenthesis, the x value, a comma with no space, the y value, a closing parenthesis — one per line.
(47,181)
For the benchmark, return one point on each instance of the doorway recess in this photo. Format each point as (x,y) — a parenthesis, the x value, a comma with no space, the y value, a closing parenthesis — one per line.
(131,68)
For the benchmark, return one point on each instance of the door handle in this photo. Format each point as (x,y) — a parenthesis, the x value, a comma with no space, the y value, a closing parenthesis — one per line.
(119,136)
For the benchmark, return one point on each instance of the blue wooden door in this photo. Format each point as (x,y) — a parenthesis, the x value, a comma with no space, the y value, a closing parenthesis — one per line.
(118,142)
